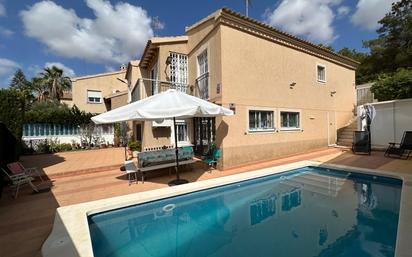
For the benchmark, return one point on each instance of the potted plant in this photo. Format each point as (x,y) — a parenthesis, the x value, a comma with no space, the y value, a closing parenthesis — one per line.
(134,147)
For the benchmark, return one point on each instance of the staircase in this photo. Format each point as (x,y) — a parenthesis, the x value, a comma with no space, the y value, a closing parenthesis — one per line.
(345,135)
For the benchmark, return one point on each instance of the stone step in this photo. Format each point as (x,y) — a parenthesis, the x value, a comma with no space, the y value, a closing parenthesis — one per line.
(344,143)
(345,136)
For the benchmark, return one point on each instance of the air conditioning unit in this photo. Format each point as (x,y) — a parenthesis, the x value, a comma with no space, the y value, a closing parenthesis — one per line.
(162,123)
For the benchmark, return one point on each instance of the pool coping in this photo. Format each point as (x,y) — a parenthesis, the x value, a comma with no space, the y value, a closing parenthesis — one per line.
(70,235)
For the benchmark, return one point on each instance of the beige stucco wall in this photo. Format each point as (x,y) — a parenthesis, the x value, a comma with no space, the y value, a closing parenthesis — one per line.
(212,43)
(257,74)
(104,83)
(160,136)
(118,101)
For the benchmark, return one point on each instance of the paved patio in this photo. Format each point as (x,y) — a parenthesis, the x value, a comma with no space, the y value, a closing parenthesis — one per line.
(77,162)
(29,218)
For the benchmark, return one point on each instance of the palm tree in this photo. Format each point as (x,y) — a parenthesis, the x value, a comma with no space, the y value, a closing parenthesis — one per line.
(40,88)
(57,83)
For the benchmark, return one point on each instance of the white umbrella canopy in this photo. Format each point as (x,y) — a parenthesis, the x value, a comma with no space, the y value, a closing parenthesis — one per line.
(167,105)
(170,104)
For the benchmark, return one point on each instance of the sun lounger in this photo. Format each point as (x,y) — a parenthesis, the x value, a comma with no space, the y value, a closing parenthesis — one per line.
(18,168)
(19,180)
(401,150)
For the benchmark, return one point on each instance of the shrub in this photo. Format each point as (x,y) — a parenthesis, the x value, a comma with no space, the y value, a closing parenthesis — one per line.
(12,106)
(64,147)
(394,86)
(135,145)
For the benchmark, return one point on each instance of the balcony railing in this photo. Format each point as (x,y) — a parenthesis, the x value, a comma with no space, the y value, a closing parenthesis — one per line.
(202,86)
(154,86)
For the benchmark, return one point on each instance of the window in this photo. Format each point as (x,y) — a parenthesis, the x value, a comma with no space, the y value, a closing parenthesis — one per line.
(321,73)
(182,131)
(94,96)
(290,120)
(202,80)
(178,71)
(261,120)
(153,77)
(138,134)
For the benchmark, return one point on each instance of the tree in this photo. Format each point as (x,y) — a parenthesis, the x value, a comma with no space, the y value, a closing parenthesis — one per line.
(19,81)
(393,47)
(56,82)
(394,86)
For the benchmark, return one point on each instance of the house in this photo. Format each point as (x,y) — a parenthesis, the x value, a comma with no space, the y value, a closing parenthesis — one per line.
(289,95)
(96,94)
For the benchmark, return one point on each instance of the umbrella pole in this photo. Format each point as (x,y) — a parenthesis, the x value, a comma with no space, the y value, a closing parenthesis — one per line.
(177,181)
(176,149)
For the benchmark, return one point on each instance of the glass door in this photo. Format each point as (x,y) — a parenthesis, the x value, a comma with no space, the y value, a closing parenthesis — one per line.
(204,134)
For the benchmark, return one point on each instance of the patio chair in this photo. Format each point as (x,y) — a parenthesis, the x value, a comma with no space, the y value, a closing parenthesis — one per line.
(129,169)
(212,160)
(18,168)
(19,180)
(361,142)
(403,149)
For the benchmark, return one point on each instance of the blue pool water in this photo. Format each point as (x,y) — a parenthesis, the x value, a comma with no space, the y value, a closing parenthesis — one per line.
(309,212)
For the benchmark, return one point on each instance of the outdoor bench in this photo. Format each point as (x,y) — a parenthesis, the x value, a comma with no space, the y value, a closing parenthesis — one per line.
(165,158)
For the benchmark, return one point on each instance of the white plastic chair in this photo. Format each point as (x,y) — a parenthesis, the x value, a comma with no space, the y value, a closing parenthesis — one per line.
(130,168)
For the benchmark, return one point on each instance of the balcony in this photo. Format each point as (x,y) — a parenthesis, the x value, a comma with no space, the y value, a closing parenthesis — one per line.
(154,86)
(202,86)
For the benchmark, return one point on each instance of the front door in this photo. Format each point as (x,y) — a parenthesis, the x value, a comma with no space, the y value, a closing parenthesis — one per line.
(204,134)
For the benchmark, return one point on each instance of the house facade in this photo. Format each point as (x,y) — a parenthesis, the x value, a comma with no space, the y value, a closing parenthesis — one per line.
(288,95)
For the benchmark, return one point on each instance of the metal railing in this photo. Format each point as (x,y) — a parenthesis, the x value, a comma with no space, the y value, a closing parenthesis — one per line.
(202,86)
(154,86)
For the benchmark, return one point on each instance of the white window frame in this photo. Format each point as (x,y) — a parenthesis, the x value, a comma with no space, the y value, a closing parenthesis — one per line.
(281,128)
(317,75)
(259,131)
(203,74)
(179,70)
(94,102)
(186,142)
(154,77)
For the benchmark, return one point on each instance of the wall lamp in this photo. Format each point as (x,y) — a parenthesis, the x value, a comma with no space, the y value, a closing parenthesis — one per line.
(332,93)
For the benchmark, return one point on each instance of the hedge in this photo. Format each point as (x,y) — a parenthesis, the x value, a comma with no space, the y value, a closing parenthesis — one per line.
(12,104)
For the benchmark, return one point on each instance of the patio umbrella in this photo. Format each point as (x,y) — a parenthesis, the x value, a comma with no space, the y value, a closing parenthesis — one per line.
(170,104)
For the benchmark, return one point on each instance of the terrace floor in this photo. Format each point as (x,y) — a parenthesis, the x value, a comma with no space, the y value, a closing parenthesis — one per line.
(25,222)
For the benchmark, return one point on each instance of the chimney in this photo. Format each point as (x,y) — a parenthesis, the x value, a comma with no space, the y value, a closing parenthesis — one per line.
(122,67)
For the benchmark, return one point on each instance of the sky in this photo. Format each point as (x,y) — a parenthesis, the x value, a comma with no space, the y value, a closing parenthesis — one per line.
(92,36)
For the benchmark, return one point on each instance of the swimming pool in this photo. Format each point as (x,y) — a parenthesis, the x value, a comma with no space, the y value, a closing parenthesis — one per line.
(309,211)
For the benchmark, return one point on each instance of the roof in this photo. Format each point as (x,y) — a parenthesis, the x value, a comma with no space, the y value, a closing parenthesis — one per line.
(241,22)
(132,63)
(67,95)
(116,94)
(153,43)
(98,75)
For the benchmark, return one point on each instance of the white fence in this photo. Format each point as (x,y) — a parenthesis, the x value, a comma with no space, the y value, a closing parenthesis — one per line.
(392,119)
(70,134)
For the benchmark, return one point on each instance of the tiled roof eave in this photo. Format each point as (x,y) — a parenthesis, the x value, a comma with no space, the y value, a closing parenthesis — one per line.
(234,20)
